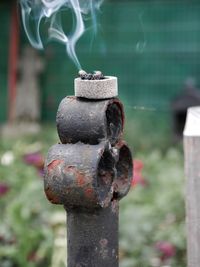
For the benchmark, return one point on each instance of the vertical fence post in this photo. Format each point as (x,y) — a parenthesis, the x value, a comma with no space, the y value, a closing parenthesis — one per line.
(90,171)
(192,170)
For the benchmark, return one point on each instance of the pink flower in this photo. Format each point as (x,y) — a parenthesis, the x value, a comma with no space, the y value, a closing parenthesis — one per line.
(35,159)
(137,173)
(166,250)
(4,188)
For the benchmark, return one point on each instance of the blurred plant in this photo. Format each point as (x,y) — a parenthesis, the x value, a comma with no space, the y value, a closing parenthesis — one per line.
(166,250)
(35,159)
(25,230)
(137,173)
(7,158)
(151,217)
(4,188)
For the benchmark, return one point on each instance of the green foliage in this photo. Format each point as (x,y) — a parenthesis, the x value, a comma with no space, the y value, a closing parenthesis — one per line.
(147,130)
(25,230)
(149,214)
(154,213)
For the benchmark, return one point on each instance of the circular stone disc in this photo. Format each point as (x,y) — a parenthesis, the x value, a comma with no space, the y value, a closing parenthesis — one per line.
(96,89)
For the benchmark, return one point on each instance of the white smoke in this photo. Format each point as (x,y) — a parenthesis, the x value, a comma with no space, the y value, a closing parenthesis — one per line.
(37,10)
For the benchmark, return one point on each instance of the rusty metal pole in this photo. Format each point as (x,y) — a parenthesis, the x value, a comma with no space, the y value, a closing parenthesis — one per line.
(90,171)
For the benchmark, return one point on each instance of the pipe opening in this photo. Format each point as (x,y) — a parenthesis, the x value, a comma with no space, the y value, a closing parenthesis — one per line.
(114,122)
(124,169)
(105,174)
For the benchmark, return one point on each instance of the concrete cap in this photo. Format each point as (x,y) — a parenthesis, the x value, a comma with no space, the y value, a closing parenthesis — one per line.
(96,89)
(192,126)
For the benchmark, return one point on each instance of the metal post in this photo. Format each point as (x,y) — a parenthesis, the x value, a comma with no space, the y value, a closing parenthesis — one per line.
(90,171)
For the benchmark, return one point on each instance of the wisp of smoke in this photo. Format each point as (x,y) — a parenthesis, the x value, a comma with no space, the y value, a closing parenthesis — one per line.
(37,10)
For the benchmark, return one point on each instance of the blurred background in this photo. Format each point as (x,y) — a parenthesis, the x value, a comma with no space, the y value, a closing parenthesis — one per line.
(153,49)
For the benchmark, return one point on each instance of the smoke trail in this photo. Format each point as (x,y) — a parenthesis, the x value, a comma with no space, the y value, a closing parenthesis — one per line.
(34,11)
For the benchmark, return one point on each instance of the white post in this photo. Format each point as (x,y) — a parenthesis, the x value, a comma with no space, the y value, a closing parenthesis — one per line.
(192,170)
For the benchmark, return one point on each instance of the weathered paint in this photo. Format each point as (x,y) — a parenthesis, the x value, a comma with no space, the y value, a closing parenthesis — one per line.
(54,164)
(51,196)
(89,193)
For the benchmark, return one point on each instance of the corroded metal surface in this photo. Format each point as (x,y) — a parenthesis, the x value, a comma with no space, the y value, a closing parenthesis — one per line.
(124,168)
(80,175)
(89,122)
(88,174)
(95,243)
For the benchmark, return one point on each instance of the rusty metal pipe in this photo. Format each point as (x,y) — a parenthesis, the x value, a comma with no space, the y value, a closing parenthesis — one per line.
(89,181)
(89,173)
(93,237)
(79,175)
(89,121)
(84,176)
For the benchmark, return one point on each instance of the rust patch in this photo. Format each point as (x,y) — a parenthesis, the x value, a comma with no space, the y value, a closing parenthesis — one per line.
(80,177)
(80,180)
(120,143)
(54,164)
(89,193)
(51,196)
